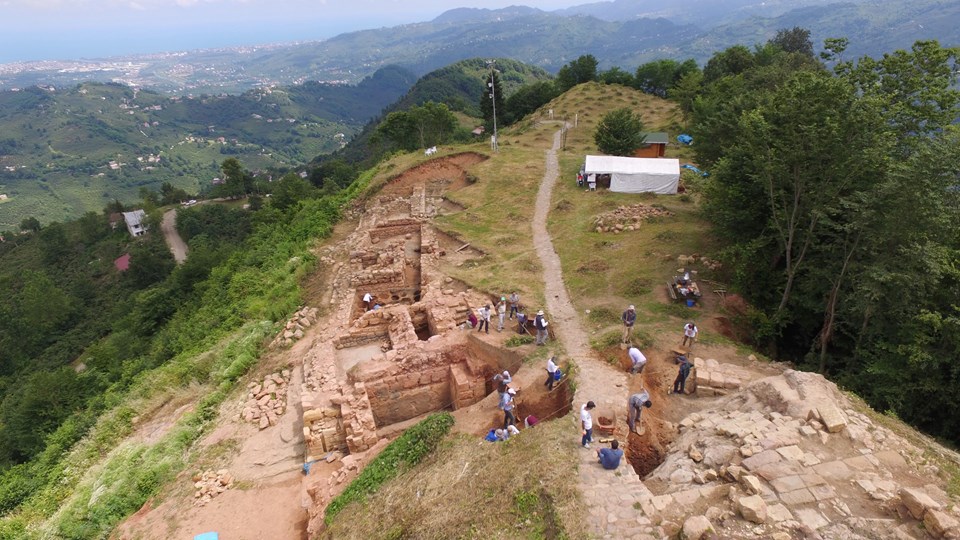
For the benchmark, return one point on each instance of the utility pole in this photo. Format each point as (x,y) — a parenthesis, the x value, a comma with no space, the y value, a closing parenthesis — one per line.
(493,96)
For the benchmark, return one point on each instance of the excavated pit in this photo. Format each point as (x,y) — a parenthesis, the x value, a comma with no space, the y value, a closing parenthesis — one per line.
(645,453)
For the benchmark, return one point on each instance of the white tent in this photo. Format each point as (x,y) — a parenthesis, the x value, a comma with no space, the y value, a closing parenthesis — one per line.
(637,175)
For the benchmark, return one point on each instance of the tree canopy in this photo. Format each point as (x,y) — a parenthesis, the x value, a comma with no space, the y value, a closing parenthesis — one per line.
(812,176)
(619,133)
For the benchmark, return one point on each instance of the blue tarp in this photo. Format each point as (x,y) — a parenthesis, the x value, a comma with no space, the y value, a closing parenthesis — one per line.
(694,169)
(685,139)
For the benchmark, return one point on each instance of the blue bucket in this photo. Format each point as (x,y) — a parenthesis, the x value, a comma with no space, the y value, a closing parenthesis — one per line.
(691,302)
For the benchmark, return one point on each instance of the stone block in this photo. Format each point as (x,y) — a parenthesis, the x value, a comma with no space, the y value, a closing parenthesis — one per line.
(751,484)
(752,508)
(939,523)
(791,452)
(917,502)
(696,527)
(832,417)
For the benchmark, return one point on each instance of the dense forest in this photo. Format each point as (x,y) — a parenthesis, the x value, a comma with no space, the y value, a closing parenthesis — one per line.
(833,193)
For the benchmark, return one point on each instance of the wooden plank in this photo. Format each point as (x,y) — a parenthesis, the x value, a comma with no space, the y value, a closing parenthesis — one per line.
(463,247)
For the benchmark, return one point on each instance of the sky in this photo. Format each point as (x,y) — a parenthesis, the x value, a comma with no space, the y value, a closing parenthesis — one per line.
(74,29)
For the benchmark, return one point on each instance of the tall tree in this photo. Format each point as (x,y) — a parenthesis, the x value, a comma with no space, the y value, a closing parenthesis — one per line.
(579,71)
(794,40)
(619,133)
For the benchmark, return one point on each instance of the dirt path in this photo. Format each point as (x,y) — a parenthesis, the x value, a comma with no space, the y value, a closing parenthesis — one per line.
(611,496)
(176,244)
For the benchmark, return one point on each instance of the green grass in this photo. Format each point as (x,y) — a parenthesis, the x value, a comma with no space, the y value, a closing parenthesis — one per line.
(404,452)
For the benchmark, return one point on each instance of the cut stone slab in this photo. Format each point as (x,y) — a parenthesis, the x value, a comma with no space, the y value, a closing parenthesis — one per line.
(917,502)
(834,470)
(778,512)
(763,458)
(787,483)
(832,417)
(939,522)
(811,518)
(694,528)
(800,496)
(792,452)
(752,508)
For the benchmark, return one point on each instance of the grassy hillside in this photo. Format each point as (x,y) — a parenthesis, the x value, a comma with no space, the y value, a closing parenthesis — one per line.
(65,152)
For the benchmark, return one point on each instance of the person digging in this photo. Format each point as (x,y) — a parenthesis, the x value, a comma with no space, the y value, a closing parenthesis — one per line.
(636,401)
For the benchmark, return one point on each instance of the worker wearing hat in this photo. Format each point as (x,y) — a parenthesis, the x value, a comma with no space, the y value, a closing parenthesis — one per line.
(628,318)
(540,323)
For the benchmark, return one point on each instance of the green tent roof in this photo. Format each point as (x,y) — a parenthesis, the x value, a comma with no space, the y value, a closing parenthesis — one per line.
(655,137)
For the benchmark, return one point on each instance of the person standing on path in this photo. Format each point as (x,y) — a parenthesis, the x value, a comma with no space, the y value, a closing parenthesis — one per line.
(690,332)
(551,372)
(681,379)
(540,323)
(637,360)
(506,403)
(628,318)
(610,457)
(586,422)
(501,313)
(484,318)
(636,401)
(514,304)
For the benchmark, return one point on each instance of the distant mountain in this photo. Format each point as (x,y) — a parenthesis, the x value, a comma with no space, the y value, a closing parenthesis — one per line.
(64,152)
(461,15)
(703,13)
(622,33)
(874,28)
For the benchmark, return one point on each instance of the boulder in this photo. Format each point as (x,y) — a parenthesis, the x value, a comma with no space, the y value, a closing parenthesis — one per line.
(752,508)
(696,527)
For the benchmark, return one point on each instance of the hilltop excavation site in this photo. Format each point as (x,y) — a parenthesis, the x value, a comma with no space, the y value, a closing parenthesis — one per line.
(752,450)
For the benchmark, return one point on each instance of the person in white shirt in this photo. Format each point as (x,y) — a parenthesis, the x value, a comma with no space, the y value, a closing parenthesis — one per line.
(501,313)
(637,360)
(586,422)
(484,318)
(506,403)
(690,332)
(367,301)
(551,372)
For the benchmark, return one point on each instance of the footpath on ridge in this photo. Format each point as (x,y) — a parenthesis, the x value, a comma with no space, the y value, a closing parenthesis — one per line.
(610,496)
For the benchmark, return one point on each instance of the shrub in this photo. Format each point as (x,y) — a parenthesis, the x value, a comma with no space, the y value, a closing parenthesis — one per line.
(517,341)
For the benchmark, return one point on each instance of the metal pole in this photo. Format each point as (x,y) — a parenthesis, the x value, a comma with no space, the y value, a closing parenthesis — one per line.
(493,95)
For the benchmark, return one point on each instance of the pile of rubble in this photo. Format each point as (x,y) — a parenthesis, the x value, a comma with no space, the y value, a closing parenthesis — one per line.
(266,400)
(688,260)
(209,484)
(789,456)
(627,218)
(295,327)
